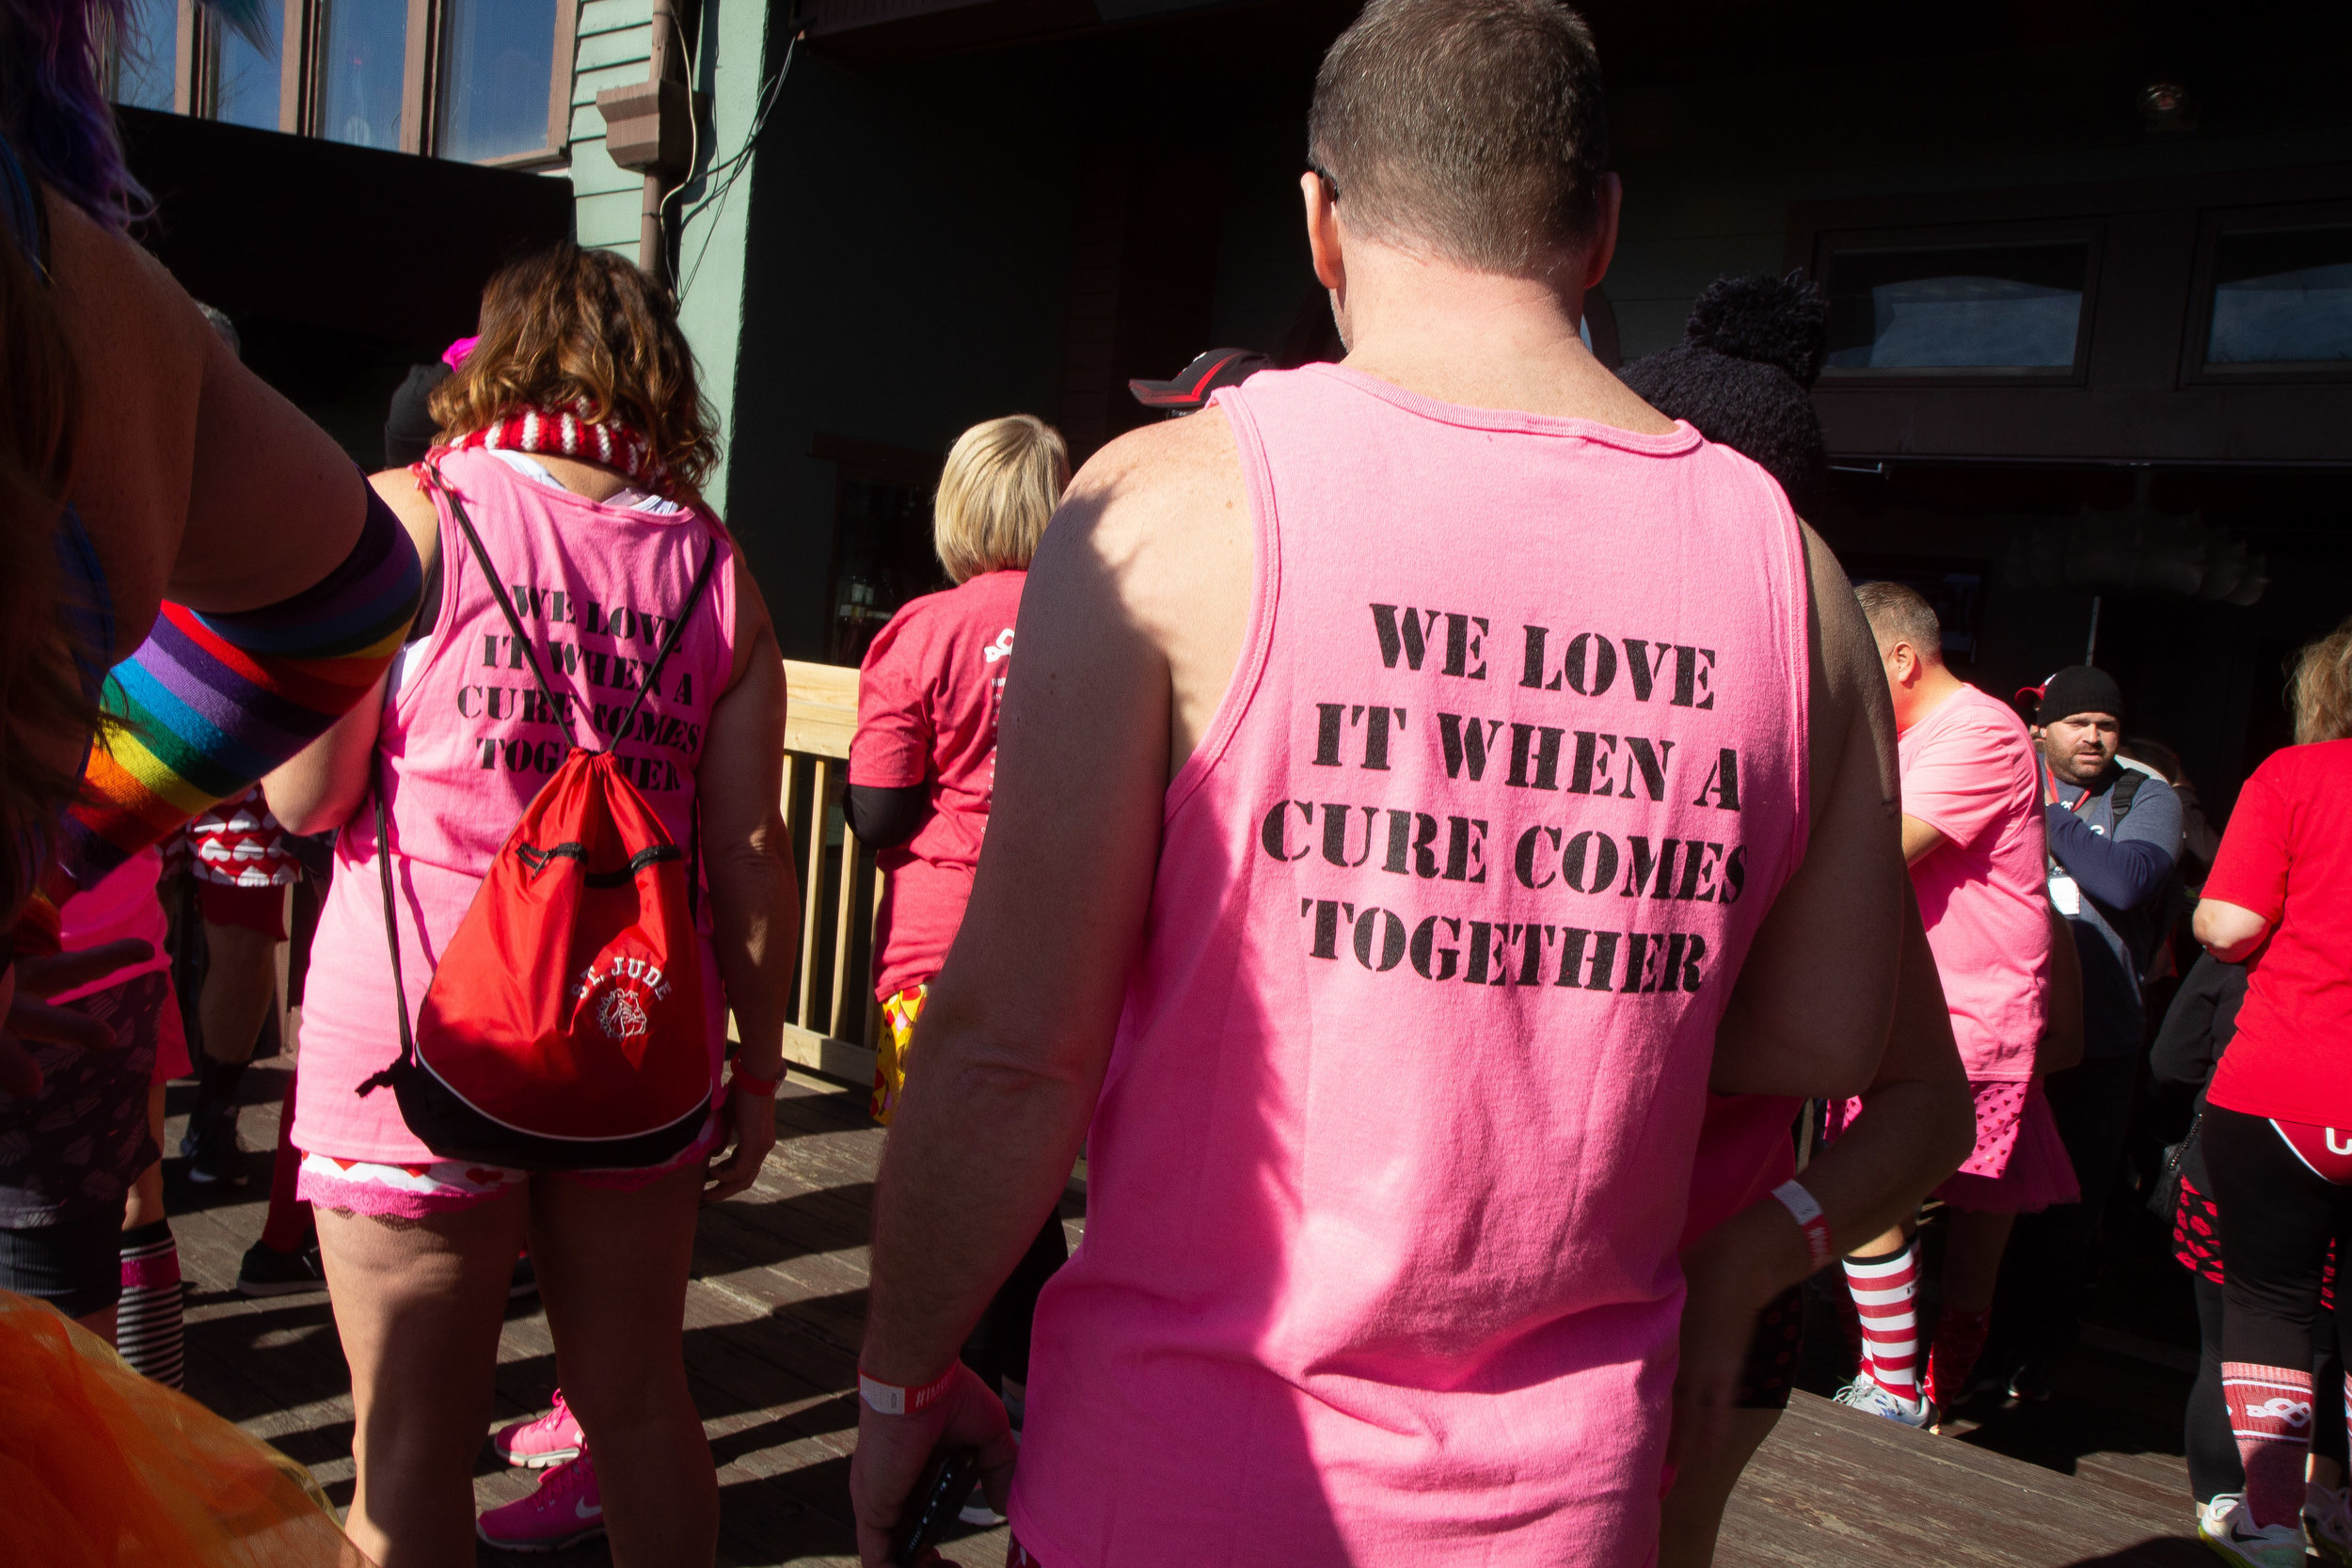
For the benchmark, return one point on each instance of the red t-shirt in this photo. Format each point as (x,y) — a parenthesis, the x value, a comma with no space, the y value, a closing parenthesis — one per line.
(928,700)
(2287,856)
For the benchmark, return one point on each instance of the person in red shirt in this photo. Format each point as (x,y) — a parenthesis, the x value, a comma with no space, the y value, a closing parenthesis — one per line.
(2278,1127)
(923,770)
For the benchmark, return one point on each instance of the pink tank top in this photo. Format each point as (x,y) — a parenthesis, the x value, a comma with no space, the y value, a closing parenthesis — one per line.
(468,740)
(1393,1152)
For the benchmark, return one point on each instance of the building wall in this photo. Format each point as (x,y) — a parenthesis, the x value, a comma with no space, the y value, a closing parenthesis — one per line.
(907,247)
(615,43)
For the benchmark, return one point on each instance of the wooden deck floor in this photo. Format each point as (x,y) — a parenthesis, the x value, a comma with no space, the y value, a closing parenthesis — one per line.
(773,1320)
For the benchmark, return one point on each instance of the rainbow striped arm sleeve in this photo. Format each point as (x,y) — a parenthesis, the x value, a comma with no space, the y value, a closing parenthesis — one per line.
(211,703)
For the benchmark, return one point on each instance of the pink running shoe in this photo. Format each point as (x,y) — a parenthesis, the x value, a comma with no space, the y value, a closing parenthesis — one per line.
(566,1510)
(543,1440)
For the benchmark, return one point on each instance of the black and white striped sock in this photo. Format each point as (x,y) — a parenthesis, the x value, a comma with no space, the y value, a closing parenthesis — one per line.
(148,1327)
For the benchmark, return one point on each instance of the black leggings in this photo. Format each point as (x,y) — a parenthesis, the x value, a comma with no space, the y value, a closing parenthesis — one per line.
(2277,1219)
(2214,1466)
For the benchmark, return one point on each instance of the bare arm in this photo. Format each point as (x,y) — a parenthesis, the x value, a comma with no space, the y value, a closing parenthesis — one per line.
(2229,933)
(1809,1014)
(196,480)
(319,787)
(1017,1032)
(1918,1124)
(1920,841)
(755,901)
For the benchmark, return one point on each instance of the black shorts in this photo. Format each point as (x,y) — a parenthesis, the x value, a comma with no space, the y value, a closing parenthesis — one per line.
(1771,1370)
(75,1265)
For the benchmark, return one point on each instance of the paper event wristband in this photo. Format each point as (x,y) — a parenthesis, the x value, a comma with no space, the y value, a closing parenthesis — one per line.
(1809,1218)
(888,1399)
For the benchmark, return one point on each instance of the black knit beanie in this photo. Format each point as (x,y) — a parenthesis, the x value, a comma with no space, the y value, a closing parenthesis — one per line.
(1741,376)
(2079,689)
(408,427)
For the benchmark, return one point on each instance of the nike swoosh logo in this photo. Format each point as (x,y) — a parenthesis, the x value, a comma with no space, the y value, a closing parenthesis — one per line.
(586,1509)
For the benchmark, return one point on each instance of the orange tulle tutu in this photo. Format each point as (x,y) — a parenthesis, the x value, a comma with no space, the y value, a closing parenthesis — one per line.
(101,1469)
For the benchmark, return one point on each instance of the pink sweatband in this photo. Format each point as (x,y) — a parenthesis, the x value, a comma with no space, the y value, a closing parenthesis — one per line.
(1809,1218)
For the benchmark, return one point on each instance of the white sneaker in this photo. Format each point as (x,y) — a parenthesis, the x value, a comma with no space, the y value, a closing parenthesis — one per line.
(2222,1502)
(2227,1530)
(978,1511)
(1867,1395)
(2327,1522)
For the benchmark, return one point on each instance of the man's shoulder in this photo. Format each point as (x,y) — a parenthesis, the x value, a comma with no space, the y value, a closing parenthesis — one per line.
(1974,718)
(1149,502)
(1159,469)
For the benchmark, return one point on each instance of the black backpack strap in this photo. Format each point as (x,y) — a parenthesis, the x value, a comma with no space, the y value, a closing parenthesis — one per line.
(669,642)
(2127,790)
(506,608)
(392,940)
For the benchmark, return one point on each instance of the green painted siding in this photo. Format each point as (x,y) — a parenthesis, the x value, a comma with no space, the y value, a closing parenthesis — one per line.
(615,42)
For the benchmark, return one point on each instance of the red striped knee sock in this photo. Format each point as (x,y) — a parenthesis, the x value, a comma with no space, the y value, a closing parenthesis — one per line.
(2270,1415)
(1959,1342)
(1885,1294)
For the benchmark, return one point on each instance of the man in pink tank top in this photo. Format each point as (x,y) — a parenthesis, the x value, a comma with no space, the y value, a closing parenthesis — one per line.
(1425,779)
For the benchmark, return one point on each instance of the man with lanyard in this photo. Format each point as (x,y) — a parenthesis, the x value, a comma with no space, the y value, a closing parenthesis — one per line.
(2115,837)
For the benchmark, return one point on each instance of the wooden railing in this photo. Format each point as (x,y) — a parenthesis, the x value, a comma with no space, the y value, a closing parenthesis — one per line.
(834,1022)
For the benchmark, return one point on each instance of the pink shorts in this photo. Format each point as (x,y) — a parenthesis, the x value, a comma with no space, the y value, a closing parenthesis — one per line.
(2019,1166)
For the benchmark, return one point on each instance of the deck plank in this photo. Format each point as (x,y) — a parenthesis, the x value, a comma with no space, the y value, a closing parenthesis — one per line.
(773,1320)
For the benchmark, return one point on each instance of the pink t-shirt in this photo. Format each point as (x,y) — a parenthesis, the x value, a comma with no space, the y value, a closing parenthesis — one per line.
(466,741)
(1969,772)
(1746,1148)
(927,705)
(1395,1143)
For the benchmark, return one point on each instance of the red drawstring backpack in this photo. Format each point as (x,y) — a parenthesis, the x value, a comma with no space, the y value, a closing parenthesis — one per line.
(565,1026)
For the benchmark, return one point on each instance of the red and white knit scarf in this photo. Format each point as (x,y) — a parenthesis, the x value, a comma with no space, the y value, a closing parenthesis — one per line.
(568,433)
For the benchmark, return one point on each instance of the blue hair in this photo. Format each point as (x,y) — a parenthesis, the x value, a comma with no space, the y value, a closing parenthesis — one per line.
(53,105)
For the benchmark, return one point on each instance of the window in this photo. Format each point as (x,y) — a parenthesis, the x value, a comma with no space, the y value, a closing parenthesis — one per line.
(146,59)
(498,58)
(2000,308)
(2282,299)
(362,61)
(481,81)
(247,79)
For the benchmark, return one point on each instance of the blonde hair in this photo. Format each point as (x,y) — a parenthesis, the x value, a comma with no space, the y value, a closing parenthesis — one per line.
(1000,486)
(2320,691)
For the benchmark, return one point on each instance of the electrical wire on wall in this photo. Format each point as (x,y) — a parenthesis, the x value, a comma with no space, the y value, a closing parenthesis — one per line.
(714,201)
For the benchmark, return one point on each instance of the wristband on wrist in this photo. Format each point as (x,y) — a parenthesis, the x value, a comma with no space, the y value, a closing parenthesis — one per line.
(1806,1212)
(889,1399)
(743,1081)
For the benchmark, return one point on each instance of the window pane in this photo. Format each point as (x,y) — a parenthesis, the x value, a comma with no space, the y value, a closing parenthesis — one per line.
(145,55)
(365,49)
(494,90)
(2003,306)
(2281,296)
(248,76)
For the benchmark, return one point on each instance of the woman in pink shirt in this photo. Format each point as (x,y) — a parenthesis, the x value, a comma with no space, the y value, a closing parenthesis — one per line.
(575,438)
(922,771)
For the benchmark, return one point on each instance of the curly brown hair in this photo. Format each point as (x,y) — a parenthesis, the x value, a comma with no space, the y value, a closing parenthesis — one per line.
(571,326)
(2320,691)
(49,717)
